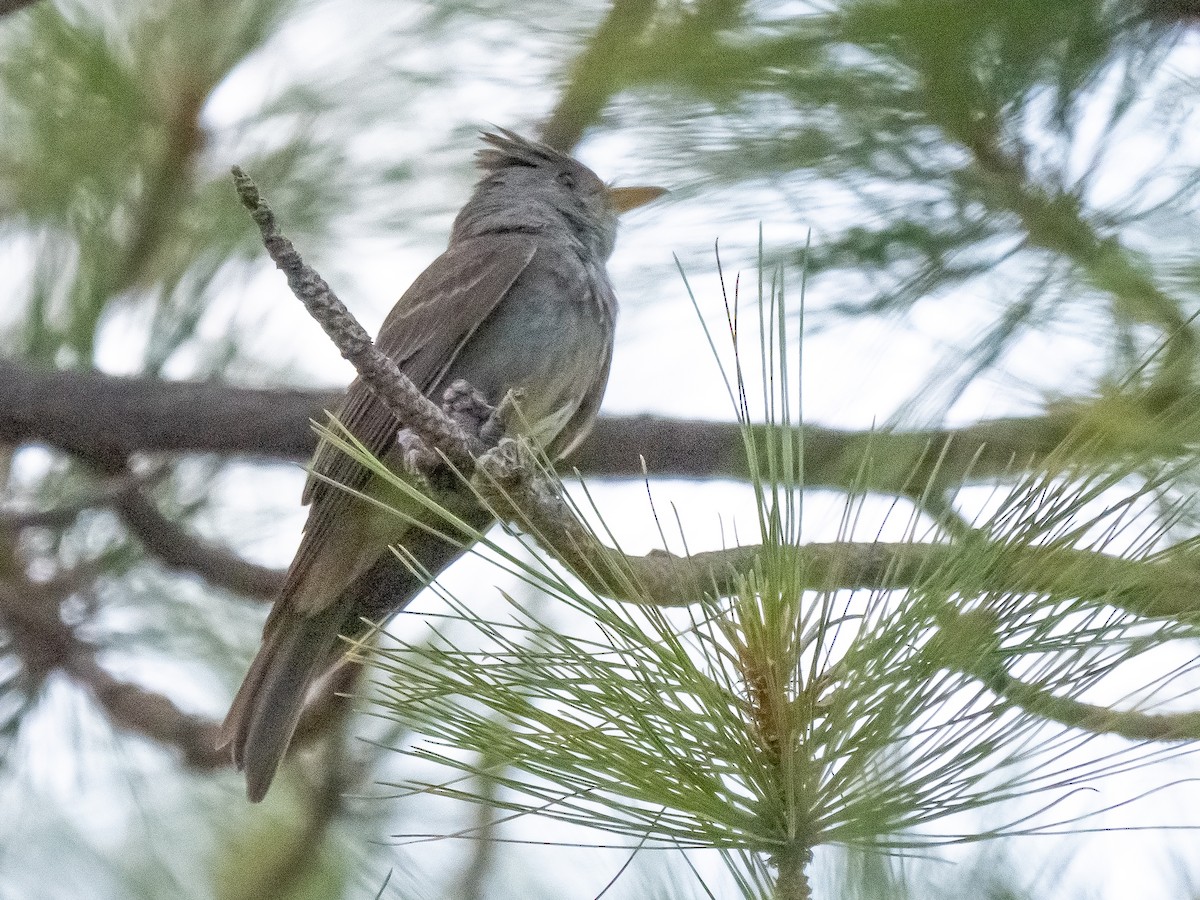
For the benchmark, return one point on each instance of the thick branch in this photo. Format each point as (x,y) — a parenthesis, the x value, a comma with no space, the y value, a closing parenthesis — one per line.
(109,418)
(1168,588)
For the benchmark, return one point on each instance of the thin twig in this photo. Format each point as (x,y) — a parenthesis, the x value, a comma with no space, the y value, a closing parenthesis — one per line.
(1131,724)
(147,713)
(106,494)
(43,643)
(973,650)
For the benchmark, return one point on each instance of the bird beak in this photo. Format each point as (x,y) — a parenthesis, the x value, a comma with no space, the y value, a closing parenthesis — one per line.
(623,199)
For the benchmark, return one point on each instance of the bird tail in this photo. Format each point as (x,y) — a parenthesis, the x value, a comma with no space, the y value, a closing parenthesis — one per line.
(264,714)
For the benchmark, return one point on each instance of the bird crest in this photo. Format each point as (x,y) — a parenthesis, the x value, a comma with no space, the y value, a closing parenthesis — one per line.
(509,149)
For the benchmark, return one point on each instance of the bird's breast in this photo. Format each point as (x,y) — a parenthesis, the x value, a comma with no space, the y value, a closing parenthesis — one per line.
(549,340)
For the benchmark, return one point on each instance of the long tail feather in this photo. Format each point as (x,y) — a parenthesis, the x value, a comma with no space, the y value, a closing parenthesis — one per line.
(267,707)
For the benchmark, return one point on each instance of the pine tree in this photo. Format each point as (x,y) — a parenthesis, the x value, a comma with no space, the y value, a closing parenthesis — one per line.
(992,637)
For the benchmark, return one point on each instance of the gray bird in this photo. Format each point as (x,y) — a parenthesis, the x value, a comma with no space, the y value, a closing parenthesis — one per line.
(519,301)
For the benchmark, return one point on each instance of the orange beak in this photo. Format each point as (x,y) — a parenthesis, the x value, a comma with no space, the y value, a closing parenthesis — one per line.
(623,199)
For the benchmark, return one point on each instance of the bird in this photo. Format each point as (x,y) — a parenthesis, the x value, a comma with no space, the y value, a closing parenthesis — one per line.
(519,304)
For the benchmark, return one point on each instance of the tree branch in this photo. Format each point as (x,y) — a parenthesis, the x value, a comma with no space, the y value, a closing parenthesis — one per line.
(107,493)
(377,369)
(616,55)
(1057,222)
(148,713)
(596,74)
(182,550)
(1167,588)
(970,643)
(43,643)
(1136,726)
(108,419)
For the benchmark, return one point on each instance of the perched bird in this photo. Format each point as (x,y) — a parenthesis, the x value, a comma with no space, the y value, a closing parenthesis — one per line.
(519,301)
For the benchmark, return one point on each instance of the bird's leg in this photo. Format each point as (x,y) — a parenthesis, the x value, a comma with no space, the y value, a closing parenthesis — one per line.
(468,406)
(417,460)
(500,423)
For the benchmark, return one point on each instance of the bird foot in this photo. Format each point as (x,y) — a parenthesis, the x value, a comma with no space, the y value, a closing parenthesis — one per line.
(417,460)
(468,406)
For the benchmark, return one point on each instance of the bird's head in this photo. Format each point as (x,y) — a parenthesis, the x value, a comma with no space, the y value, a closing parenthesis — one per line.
(528,187)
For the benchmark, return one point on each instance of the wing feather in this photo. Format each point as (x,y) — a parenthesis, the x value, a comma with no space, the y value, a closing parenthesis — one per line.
(424,334)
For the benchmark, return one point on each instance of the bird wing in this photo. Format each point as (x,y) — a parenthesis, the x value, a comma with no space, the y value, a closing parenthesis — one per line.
(424,334)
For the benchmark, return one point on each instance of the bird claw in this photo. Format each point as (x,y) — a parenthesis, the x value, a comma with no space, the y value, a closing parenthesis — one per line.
(416,459)
(468,406)
(500,423)
(509,465)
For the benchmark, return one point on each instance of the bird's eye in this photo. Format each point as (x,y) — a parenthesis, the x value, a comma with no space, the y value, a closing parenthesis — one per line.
(566,179)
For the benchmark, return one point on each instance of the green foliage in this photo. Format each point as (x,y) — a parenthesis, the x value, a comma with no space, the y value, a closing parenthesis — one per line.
(947,148)
(1029,167)
(786,717)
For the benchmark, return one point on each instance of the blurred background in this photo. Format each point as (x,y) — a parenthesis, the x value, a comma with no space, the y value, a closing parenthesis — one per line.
(992,211)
